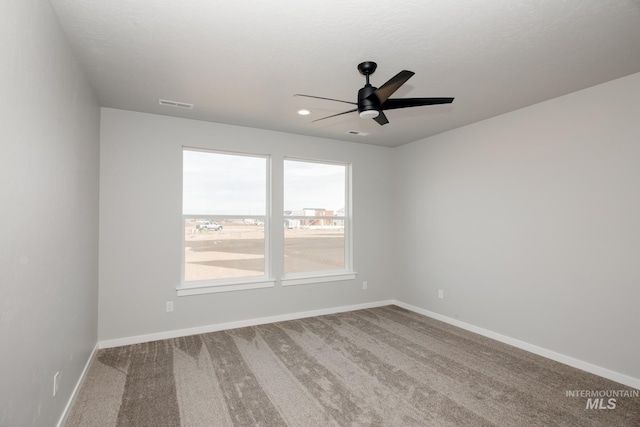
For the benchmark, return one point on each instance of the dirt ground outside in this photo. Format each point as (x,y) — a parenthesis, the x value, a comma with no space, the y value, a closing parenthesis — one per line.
(238,251)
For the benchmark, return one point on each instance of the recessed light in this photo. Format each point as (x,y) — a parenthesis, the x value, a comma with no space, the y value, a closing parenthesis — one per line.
(304,112)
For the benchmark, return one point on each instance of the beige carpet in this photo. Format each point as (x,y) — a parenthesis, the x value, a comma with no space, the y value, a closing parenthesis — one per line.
(377,367)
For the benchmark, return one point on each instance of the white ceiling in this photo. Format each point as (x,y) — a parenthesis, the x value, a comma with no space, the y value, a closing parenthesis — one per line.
(240,62)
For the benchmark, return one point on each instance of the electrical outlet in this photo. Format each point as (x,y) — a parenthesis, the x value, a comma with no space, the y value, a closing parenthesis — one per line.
(169,306)
(56,383)
(365,285)
(440,293)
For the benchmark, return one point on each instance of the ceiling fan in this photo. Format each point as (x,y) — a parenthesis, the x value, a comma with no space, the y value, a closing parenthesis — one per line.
(373,101)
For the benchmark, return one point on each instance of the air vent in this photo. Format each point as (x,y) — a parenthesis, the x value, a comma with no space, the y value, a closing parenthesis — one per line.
(175,104)
(356,132)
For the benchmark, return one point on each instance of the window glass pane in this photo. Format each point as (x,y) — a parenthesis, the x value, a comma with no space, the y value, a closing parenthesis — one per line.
(224,248)
(314,205)
(309,185)
(224,208)
(223,184)
(313,249)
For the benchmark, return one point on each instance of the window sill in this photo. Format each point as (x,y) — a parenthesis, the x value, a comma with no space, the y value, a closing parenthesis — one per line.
(210,288)
(307,280)
(185,290)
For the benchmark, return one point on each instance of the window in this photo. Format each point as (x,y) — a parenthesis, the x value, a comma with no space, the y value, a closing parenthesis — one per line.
(316,219)
(225,205)
(226,220)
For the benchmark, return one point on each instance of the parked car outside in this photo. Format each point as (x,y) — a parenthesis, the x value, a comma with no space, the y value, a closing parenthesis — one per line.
(211,225)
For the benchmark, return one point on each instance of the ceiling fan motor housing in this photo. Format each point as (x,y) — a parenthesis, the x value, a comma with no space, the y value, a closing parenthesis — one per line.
(368,106)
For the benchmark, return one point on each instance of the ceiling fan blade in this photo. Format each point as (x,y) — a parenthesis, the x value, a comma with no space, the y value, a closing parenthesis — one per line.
(339,114)
(386,90)
(327,99)
(381,119)
(392,104)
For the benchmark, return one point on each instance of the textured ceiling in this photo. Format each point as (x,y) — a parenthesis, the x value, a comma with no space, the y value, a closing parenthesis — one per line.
(240,62)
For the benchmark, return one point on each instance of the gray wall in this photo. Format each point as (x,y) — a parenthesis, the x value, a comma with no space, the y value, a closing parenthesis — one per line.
(529,223)
(140,225)
(49,136)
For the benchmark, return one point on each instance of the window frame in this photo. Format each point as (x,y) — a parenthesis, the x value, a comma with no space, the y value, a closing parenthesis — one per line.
(265,280)
(272,259)
(348,272)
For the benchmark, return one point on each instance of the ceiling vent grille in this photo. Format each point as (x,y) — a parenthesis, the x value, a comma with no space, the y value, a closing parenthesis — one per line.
(356,132)
(175,104)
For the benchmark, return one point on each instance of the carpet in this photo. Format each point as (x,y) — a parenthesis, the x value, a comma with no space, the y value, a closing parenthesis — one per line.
(376,367)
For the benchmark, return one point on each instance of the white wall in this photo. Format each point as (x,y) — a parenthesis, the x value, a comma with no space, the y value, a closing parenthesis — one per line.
(140,225)
(530,223)
(49,135)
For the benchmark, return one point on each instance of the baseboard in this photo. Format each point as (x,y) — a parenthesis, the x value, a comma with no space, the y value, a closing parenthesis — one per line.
(549,354)
(76,389)
(237,324)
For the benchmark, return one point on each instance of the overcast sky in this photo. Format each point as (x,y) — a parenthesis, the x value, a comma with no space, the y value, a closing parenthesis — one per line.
(313,185)
(219,184)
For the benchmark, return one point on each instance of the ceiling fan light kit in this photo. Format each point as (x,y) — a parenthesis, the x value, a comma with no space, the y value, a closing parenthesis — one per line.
(369,114)
(373,101)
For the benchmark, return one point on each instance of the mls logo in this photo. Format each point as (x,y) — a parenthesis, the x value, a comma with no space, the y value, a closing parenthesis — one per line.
(595,403)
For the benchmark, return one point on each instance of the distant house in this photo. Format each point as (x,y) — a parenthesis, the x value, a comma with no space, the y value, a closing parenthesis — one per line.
(312,217)
(317,212)
(340,213)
